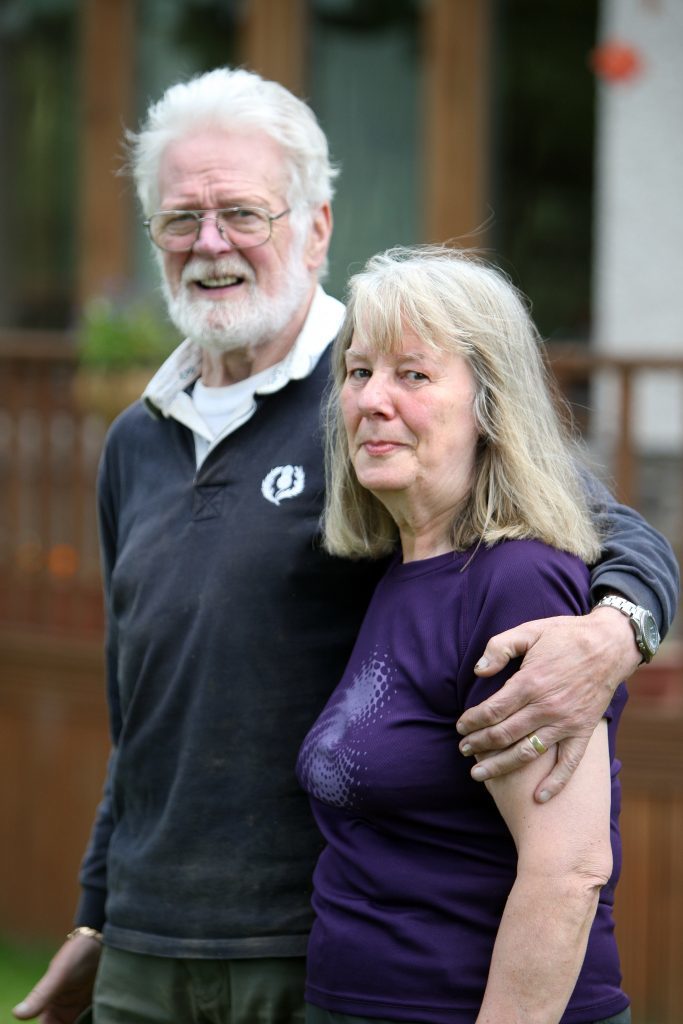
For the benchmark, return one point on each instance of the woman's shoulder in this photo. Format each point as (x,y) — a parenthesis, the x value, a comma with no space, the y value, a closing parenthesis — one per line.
(532,572)
(528,555)
(507,584)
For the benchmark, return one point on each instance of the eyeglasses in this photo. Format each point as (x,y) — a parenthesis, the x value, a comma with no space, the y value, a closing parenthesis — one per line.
(245,227)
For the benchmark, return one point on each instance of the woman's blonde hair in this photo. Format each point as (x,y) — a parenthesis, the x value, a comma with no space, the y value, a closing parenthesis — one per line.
(527,482)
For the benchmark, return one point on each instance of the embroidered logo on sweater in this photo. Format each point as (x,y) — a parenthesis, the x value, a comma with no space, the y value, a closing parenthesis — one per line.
(283,482)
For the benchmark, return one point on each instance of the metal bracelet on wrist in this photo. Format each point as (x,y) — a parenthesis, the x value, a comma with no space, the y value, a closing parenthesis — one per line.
(90,933)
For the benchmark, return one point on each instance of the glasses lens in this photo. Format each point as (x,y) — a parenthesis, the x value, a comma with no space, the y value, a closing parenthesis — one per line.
(173,231)
(177,231)
(244,226)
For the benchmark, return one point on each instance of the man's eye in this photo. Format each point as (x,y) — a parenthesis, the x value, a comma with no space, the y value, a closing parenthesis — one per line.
(180,223)
(244,216)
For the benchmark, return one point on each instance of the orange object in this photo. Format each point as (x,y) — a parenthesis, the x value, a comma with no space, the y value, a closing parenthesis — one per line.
(62,561)
(615,62)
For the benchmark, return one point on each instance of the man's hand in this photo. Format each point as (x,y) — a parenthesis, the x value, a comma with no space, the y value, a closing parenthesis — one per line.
(571,668)
(65,990)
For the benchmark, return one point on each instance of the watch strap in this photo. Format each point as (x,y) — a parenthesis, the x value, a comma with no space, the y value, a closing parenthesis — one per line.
(636,615)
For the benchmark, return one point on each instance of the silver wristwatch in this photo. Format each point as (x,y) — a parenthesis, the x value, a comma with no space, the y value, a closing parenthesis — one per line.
(642,620)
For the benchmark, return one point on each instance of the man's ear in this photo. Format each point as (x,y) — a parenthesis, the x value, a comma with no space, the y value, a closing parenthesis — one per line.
(319,234)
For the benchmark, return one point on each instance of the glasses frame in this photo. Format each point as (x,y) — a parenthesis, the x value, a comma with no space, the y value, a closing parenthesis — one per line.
(201,215)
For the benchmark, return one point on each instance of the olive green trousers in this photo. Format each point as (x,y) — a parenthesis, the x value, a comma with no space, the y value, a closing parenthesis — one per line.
(136,989)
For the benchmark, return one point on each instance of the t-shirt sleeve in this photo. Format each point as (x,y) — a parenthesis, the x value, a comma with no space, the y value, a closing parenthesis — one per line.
(509,584)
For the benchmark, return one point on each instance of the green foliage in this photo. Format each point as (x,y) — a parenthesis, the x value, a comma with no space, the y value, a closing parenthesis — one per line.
(117,335)
(20,969)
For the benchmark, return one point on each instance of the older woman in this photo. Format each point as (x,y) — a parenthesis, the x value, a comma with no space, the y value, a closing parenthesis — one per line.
(437,901)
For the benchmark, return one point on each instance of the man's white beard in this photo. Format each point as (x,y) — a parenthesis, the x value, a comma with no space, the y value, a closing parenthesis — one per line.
(251,320)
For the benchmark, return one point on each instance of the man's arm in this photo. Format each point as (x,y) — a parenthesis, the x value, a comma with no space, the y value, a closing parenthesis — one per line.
(636,562)
(572,666)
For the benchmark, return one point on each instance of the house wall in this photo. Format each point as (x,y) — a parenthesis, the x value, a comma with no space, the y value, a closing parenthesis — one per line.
(638,258)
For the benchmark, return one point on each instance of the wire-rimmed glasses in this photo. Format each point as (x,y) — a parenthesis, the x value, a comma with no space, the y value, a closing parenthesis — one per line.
(244,227)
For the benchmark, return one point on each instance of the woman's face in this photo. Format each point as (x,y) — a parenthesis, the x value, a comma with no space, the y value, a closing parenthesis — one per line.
(410,422)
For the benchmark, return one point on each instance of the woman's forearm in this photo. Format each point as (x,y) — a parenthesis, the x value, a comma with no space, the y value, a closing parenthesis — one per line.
(540,946)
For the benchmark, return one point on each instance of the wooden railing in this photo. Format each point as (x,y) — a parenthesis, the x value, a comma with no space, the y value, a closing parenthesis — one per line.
(574,364)
(49,449)
(53,733)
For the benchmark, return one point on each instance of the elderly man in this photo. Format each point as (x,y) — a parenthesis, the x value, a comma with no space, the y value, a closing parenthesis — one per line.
(228,626)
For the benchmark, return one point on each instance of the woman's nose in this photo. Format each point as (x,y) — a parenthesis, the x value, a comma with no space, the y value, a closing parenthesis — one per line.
(375,396)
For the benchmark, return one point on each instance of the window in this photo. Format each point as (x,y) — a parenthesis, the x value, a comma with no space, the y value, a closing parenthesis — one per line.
(365,87)
(38,169)
(542,165)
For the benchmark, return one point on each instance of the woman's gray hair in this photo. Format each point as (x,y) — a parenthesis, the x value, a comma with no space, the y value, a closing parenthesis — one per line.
(527,477)
(235,99)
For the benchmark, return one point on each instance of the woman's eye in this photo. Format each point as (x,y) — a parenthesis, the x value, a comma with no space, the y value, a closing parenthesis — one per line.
(416,375)
(359,373)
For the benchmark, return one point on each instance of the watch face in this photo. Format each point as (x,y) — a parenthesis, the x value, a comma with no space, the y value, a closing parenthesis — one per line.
(650,633)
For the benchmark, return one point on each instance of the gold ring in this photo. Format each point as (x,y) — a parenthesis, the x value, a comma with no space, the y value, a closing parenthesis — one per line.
(538,745)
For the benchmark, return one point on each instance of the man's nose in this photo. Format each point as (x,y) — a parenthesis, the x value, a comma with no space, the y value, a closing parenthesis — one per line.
(210,239)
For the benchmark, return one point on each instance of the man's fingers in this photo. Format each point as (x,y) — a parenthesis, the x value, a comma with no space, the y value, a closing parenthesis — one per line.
(516,756)
(560,693)
(501,707)
(513,643)
(65,989)
(512,727)
(33,1004)
(42,993)
(569,754)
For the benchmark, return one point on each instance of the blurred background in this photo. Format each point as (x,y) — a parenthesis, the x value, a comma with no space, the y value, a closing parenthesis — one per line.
(550,135)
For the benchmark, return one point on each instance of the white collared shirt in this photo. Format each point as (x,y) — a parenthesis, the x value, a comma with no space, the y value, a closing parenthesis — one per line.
(165,395)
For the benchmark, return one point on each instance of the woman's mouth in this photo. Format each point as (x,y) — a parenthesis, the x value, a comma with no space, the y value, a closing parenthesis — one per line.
(381,447)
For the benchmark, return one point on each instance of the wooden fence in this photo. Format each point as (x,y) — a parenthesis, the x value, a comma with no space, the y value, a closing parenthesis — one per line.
(53,731)
(49,562)
(649,909)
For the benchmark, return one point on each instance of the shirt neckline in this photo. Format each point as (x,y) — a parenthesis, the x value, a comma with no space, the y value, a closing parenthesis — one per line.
(424,566)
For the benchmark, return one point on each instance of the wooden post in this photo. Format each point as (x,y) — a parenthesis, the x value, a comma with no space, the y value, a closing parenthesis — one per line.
(625,472)
(107,41)
(457,119)
(274,41)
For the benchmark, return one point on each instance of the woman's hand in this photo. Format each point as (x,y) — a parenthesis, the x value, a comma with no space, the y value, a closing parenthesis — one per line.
(571,668)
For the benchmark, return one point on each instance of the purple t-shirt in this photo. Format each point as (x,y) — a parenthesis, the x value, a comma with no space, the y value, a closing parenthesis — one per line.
(411,886)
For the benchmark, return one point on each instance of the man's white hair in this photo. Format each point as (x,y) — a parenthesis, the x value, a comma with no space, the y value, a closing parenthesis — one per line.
(234,99)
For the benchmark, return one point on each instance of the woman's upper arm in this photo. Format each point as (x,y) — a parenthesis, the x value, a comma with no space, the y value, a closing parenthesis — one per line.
(571,832)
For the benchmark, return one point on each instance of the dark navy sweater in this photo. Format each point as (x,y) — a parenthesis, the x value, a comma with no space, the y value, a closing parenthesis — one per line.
(228,629)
